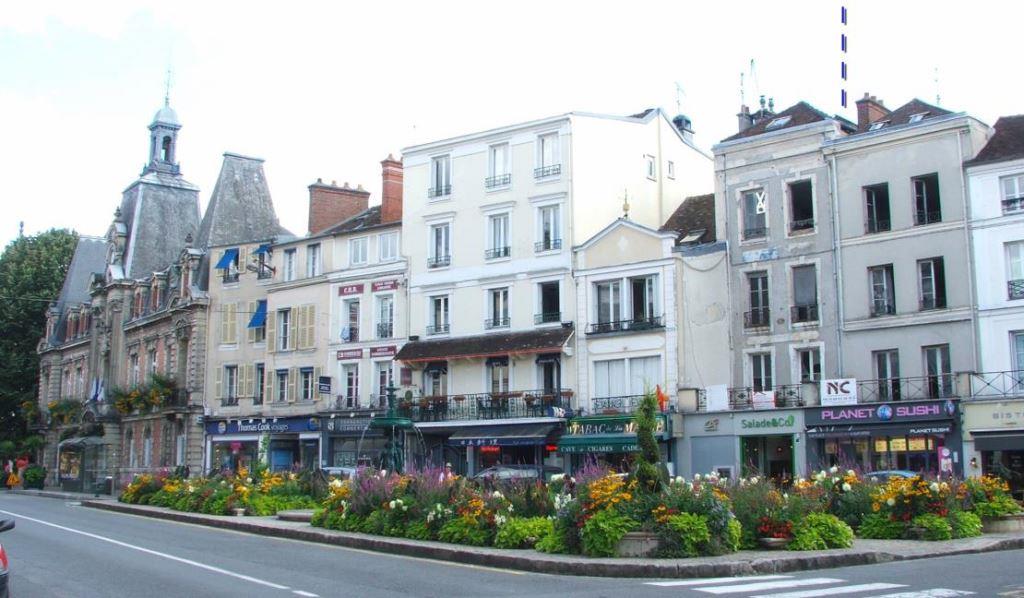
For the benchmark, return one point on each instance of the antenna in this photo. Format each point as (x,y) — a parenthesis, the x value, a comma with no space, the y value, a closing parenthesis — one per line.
(938,96)
(753,77)
(743,98)
(167,89)
(679,97)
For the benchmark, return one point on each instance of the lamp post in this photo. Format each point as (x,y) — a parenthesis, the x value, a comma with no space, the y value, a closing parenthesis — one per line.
(396,425)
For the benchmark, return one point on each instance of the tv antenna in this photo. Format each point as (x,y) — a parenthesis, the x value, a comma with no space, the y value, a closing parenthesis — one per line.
(938,96)
(679,97)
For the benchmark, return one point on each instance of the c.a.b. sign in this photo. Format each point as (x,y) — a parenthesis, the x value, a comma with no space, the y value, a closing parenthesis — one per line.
(839,391)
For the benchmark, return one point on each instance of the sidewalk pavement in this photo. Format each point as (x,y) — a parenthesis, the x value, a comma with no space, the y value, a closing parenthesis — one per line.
(864,552)
(57,493)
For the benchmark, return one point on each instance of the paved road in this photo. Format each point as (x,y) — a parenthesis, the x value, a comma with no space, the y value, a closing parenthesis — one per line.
(62,550)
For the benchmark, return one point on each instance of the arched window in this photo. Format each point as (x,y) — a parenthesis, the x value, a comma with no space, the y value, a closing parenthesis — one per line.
(129,443)
(147,447)
(165,150)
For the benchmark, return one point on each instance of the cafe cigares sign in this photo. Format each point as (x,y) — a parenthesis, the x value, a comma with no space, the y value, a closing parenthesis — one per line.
(882,413)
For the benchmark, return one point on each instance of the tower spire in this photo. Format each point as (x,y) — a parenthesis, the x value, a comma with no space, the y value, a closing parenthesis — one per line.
(167,88)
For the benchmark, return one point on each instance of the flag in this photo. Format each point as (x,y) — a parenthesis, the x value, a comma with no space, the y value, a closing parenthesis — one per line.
(662,398)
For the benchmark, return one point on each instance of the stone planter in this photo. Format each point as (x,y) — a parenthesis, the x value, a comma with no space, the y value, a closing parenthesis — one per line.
(1003,525)
(239,512)
(773,543)
(916,533)
(637,544)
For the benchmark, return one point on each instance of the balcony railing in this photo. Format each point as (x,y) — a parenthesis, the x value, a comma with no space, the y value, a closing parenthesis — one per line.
(1015,289)
(995,385)
(437,329)
(547,245)
(439,261)
(497,252)
(498,180)
(546,171)
(385,330)
(757,232)
(940,386)
(930,217)
(800,225)
(483,406)
(757,318)
(345,402)
(230,276)
(229,402)
(742,398)
(1013,205)
(804,313)
(648,323)
(877,226)
(611,405)
(548,317)
(497,323)
(439,191)
(882,309)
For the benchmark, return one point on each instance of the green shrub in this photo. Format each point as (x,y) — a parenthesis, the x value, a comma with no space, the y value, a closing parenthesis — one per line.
(418,530)
(877,526)
(997,507)
(806,538)
(935,527)
(602,532)
(34,477)
(964,524)
(690,532)
(734,535)
(523,532)
(464,531)
(374,523)
(318,518)
(555,542)
(820,531)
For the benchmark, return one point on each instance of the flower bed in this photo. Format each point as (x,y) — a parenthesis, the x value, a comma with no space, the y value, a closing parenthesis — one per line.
(262,493)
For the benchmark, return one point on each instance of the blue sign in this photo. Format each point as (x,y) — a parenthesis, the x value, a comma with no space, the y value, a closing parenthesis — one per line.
(290,425)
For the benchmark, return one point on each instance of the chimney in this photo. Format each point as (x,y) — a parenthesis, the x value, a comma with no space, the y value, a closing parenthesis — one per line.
(685,126)
(331,204)
(391,194)
(869,110)
(745,120)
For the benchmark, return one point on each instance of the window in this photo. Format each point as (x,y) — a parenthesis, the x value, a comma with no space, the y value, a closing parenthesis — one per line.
(644,374)
(179,444)
(671,169)
(384,378)
(1017,351)
(289,264)
(228,263)
(133,370)
(549,235)
(608,303)
(497,309)
(932,279)
(926,200)
(151,358)
(916,118)
(937,369)
(129,440)
(549,161)
(610,378)
(498,237)
(350,323)
(263,268)
(147,447)
(79,382)
(883,293)
(497,375)
(805,294)
(550,303)
(801,206)
(284,328)
(778,123)
(440,245)
(350,384)
(887,373)
(230,390)
(357,251)
(498,166)
(1013,193)
(878,124)
(259,390)
(810,364)
(650,167)
(307,385)
(759,315)
(313,260)
(550,373)
(438,315)
(388,246)
(435,379)
(282,386)
(876,202)
(385,316)
(761,371)
(643,297)
(440,177)
(1015,270)
(259,333)
(755,214)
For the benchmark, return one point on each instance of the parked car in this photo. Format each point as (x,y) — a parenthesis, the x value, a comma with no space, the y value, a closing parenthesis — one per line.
(5,590)
(340,472)
(886,475)
(517,472)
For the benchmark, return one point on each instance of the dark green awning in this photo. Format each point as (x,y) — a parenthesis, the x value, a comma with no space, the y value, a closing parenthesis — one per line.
(599,443)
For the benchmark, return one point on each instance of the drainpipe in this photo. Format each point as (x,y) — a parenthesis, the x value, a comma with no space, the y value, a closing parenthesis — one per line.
(975,366)
(837,263)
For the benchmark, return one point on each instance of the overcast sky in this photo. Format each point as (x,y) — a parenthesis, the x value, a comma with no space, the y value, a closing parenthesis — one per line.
(329,89)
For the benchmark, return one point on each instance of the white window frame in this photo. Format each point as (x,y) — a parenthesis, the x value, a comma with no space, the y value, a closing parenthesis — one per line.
(350,392)
(307,384)
(378,304)
(670,170)
(770,371)
(556,209)
(493,238)
(230,390)
(281,390)
(494,169)
(346,319)
(504,309)
(284,324)
(542,144)
(539,300)
(432,247)
(314,260)
(431,321)
(387,241)
(387,367)
(289,256)
(358,251)
(1015,260)
(440,178)
(650,167)
(766,200)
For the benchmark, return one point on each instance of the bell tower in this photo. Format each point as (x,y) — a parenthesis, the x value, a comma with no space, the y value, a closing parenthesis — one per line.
(163,142)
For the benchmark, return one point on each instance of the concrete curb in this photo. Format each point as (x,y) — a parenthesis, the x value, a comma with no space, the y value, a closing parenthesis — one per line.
(60,494)
(535,562)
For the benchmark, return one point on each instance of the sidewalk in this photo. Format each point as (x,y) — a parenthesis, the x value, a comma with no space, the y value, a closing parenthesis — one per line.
(57,493)
(864,552)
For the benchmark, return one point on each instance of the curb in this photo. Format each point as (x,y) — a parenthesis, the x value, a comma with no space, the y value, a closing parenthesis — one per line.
(59,494)
(535,562)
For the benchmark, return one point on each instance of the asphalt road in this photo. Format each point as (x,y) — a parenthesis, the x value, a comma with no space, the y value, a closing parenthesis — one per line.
(59,549)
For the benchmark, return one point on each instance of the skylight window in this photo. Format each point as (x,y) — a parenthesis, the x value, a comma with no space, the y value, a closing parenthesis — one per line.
(878,125)
(778,122)
(915,118)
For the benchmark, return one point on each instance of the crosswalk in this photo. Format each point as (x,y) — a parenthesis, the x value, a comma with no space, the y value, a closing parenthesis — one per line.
(788,586)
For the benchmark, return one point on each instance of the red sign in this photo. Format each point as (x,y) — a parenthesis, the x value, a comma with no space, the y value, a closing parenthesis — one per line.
(350,354)
(384,285)
(488,449)
(383,351)
(406,376)
(350,289)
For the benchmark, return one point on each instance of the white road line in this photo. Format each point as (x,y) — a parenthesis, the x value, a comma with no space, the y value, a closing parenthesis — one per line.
(171,557)
(307,594)
(708,580)
(933,593)
(864,587)
(769,585)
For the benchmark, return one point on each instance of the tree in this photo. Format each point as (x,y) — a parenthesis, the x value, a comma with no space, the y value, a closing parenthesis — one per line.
(32,272)
(649,474)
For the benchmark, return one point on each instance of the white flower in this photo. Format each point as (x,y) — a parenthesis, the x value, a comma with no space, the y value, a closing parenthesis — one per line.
(248,480)
(405,508)
(497,495)
(754,480)
(850,473)
(934,487)
(834,469)
(800,480)
(847,487)
(558,477)
(391,505)
(510,509)
(696,477)
(383,473)
(891,502)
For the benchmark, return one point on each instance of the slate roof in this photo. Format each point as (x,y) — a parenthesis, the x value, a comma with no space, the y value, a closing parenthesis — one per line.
(694,214)
(240,209)
(90,257)
(158,211)
(367,219)
(1006,144)
(487,345)
(800,113)
(901,115)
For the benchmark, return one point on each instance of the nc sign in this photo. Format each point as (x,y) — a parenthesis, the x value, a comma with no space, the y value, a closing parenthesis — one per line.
(839,391)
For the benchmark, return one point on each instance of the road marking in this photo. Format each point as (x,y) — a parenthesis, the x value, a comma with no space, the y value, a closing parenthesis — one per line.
(710,580)
(769,585)
(308,594)
(934,593)
(171,557)
(864,587)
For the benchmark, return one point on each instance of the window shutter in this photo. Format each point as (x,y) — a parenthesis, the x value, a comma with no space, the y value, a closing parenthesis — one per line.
(224,324)
(247,386)
(271,331)
(293,375)
(250,333)
(233,323)
(218,390)
(269,377)
(317,372)
(311,326)
(242,255)
(300,326)
(293,333)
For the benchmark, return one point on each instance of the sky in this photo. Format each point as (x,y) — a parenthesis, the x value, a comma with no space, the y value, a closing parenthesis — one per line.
(327,90)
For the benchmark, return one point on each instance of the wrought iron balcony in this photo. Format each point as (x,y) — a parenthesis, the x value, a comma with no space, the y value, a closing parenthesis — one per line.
(801,225)
(550,317)
(497,252)
(346,402)
(1015,289)
(547,245)
(547,171)
(879,309)
(498,180)
(497,323)
(484,406)
(385,330)
(635,325)
(437,329)
(927,217)
(940,386)
(759,317)
(873,226)
(995,385)
(1013,205)
(747,397)
(804,313)
(756,232)
(229,402)
(439,261)
(439,191)
(611,405)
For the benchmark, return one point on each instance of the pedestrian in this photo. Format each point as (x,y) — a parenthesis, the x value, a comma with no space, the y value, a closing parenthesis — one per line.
(446,474)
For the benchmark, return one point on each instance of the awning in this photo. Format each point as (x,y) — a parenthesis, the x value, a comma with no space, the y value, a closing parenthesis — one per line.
(545,340)
(599,443)
(911,429)
(264,248)
(80,441)
(1003,440)
(502,435)
(229,257)
(259,319)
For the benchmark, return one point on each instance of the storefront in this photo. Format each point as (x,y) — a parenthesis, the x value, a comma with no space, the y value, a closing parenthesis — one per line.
(280,443)
(611,440)
(918,436)
(994,441)
(351,442)
(751,443)
(505,444)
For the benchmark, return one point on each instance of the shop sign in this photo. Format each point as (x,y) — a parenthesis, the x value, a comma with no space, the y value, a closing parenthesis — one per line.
(630,447)
(763,399)
(717,397)
(989,415)
(350,354)
(590,426)
(350,289)
(347,424)
(882,413)
(711,425)
(264,426)
(839,391)
(388,351)
(324,385)
(767,423)
(384,285)
(760,255)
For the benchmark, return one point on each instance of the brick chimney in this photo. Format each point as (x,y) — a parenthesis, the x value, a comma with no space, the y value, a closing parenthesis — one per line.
(330,204)
(869,110)
(391,194)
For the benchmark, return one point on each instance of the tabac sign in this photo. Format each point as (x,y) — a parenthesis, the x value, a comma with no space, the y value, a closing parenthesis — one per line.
(603,424)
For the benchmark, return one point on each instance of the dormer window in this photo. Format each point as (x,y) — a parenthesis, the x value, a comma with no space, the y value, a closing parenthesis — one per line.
(778,122)
(877,125)
(916,118)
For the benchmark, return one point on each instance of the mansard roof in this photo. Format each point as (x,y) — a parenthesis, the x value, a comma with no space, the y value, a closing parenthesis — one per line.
(1006,144)
(90,257)
(158,211)
(240,209)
